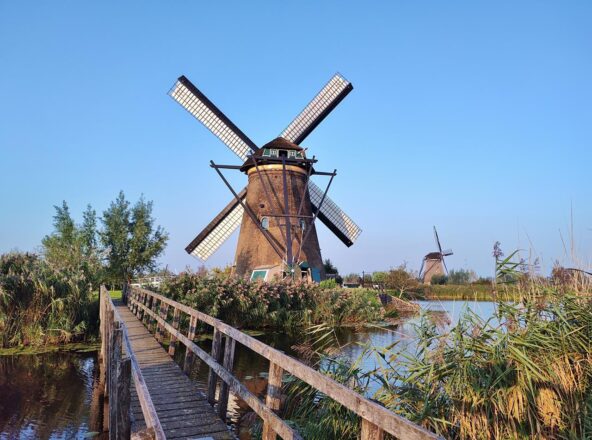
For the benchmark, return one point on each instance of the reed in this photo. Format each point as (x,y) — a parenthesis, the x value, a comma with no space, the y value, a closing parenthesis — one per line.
(525,373)
(42,305)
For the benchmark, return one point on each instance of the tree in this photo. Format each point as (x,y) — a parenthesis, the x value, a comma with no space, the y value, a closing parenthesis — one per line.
(72,248)
(352,278)
(330,269)
(461,276)
(401,279)
(132,242)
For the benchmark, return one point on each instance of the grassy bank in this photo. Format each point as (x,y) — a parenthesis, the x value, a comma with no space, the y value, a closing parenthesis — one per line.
(473,292)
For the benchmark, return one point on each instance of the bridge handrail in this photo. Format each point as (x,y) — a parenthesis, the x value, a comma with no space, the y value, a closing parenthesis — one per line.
(109,324)
(376,419)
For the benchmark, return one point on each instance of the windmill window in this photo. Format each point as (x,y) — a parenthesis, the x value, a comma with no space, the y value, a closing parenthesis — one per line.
(302,224)
(265,222)
(283,153)
(291,154)
(266,152)
(273,152)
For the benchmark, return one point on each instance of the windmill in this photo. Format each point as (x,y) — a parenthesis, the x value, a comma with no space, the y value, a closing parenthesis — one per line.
(278,235)
(433,263)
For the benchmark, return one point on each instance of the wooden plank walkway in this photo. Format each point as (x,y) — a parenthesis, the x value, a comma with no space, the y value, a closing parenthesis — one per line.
(181,405)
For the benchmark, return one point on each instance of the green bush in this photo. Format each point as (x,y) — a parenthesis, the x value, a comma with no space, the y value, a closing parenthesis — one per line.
(439,279)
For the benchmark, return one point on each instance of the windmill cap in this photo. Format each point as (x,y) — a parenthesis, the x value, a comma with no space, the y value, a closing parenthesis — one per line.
(278,143)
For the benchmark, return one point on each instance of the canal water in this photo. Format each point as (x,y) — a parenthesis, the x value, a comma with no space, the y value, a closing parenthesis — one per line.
(50,396)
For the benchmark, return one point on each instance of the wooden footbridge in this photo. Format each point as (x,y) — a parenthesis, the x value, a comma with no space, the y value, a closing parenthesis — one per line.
(148,396)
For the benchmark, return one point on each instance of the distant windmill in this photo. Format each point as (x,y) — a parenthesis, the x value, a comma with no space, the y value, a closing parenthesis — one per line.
(433,263)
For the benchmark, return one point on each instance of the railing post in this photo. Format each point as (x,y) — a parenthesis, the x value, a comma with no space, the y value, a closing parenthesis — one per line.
(145,316)
(154,323)
(116,338)
(163,313)
(217,355)
(173,341)
(188,353)
(370,431)
(273,399)
(124,377)
(108,347)
(228,363)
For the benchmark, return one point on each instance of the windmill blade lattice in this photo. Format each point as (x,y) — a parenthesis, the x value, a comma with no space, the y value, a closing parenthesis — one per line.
(217,232)
(334,217)
(196,103)
(313,114)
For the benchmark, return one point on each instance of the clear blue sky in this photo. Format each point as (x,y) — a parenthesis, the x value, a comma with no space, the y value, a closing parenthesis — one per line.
(473,116)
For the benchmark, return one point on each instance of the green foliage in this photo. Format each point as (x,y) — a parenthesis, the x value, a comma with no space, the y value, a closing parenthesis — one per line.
(461,276)
(286,305)
(71,248)
(379,278)
(41,304)
(400,279)
(330,269)
(328,284)
(131,240)
(439,279)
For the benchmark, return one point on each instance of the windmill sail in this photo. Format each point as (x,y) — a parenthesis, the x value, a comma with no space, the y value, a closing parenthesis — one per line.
(196,103)
(219,229)
(333,217)
(313,114)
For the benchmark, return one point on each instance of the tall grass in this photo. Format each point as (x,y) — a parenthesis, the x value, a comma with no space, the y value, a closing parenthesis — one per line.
(525,373)
(40,304)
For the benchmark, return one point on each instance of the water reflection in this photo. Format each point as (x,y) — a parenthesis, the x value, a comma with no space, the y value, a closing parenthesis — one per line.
(47,396)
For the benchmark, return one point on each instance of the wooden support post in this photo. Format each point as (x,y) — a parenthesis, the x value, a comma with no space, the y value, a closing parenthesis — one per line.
(227,364)
(145,316)
(113,378)
(274,390)
(173,342)
(124,378)
(108,347)
(188,364)
(370,431)
(212,376)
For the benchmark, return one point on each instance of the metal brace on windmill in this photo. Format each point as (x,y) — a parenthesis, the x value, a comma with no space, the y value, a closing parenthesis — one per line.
(433,263)
(278,237)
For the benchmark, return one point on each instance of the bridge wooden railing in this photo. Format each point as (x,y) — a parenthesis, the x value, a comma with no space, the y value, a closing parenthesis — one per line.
(118,369)
(156,311)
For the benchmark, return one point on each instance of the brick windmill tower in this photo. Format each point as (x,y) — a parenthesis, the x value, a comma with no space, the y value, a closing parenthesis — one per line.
(433,263)
(278,237)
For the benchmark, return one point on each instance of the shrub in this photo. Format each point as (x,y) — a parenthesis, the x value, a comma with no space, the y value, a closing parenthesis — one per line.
(439,279)
(328,284)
